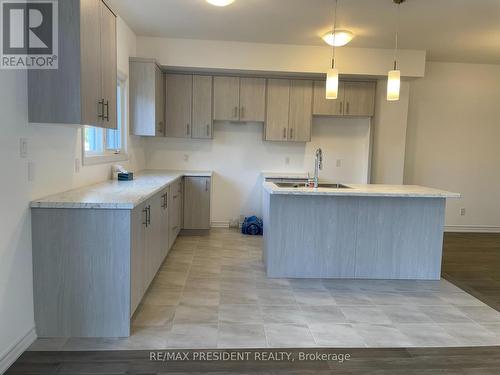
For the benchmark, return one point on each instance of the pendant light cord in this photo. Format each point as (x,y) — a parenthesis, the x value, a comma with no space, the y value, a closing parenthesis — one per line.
(334,33)
(396,38)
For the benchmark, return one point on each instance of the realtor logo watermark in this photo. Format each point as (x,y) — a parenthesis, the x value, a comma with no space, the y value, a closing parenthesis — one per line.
(29,37)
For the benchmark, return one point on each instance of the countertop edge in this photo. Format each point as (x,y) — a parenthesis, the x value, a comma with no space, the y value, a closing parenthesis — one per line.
(354,191)
(42,203)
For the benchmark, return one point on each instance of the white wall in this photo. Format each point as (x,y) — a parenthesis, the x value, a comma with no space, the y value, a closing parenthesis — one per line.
(238,155)
(453,140)
(278,57)
(54,149)
(389,136)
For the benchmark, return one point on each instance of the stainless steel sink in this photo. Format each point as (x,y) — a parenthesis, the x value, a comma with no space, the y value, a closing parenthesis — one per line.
(302,185)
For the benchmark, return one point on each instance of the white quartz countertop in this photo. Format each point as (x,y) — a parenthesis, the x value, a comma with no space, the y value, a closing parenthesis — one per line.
(365,190)
(114,194)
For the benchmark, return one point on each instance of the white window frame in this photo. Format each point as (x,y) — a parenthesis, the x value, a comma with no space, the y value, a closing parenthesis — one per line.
(109,156)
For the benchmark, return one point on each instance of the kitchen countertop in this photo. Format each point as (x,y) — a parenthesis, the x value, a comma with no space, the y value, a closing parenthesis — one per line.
(113,194)
(366,190)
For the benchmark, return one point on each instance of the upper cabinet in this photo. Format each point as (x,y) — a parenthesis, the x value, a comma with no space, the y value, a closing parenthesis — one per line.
(239,99)
(202,107)
(188,106)
(289,110)
(355,99)
(147,98)
(178,106)
(83,88)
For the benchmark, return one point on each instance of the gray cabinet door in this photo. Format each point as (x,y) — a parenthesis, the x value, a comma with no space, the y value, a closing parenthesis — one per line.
(277,110)
(154,237)
(147,99)
(91,88)
(226,98)
(179,91)
(174,211)
(108,66)
(300,116)
(138,269)
(202,107)
(327,107)
(164,225)
(159,101)
(197,203)
(359,99)
(252,99)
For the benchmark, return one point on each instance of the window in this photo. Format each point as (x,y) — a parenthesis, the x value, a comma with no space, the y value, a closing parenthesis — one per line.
(107,145)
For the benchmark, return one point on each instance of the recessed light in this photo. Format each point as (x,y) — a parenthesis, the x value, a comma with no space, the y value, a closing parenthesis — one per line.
(340,37)
(220,3)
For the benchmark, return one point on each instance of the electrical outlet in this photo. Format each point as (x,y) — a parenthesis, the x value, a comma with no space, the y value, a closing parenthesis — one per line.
(339,163)
(77,165)
(31,171)
(462,211)
(186,157)
(23,148)
(287,160)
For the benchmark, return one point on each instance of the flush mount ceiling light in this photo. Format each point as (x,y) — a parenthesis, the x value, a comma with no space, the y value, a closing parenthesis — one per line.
(394,76)
(220,3)
(338,38)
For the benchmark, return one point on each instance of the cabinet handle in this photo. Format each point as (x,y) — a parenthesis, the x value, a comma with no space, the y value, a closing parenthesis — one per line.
(284,133)
(107,110)
(341,107)
(235,112)
(347,107)
(101,105)
(242,112)
(208,130)
(149,215)
(145,222)
(206,185)
(187,129)
(291,133)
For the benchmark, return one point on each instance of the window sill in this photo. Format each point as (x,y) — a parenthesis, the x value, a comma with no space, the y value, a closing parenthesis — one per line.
(104,159)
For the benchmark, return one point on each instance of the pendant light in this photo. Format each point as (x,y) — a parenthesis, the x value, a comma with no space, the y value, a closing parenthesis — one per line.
(332,75)
(394,76)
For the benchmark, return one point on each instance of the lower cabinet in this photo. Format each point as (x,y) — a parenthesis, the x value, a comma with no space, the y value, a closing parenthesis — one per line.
(150,243)
(196,203)
(92,267)
(175,210)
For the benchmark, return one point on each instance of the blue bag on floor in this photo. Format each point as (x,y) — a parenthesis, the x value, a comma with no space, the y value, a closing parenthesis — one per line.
(252,225)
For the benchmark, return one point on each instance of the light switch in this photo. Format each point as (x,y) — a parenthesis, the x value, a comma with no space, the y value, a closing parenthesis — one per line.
(287,160)
(186,157)
(339,163)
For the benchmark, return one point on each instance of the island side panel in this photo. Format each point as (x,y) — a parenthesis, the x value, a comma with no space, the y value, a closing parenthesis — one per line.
(310,236)
(81,272)
(400,238)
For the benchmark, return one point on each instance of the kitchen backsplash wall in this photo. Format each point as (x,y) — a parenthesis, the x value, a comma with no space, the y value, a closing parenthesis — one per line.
(238,155)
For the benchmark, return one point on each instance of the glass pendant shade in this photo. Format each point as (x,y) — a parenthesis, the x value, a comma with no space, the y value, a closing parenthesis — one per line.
(332,83)
(393,85)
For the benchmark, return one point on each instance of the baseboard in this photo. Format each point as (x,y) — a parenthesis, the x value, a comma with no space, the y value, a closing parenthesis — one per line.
(220,224)
(472,228)
(9,357)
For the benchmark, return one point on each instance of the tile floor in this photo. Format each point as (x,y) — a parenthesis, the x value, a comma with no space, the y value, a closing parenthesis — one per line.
(212,292)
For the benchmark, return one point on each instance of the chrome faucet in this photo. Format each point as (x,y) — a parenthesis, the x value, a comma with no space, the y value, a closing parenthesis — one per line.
(318,165)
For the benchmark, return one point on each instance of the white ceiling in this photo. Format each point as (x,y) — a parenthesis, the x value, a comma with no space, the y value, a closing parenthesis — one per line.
(449,30)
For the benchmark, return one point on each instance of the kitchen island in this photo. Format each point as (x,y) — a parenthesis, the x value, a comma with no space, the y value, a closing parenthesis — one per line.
(354,231)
